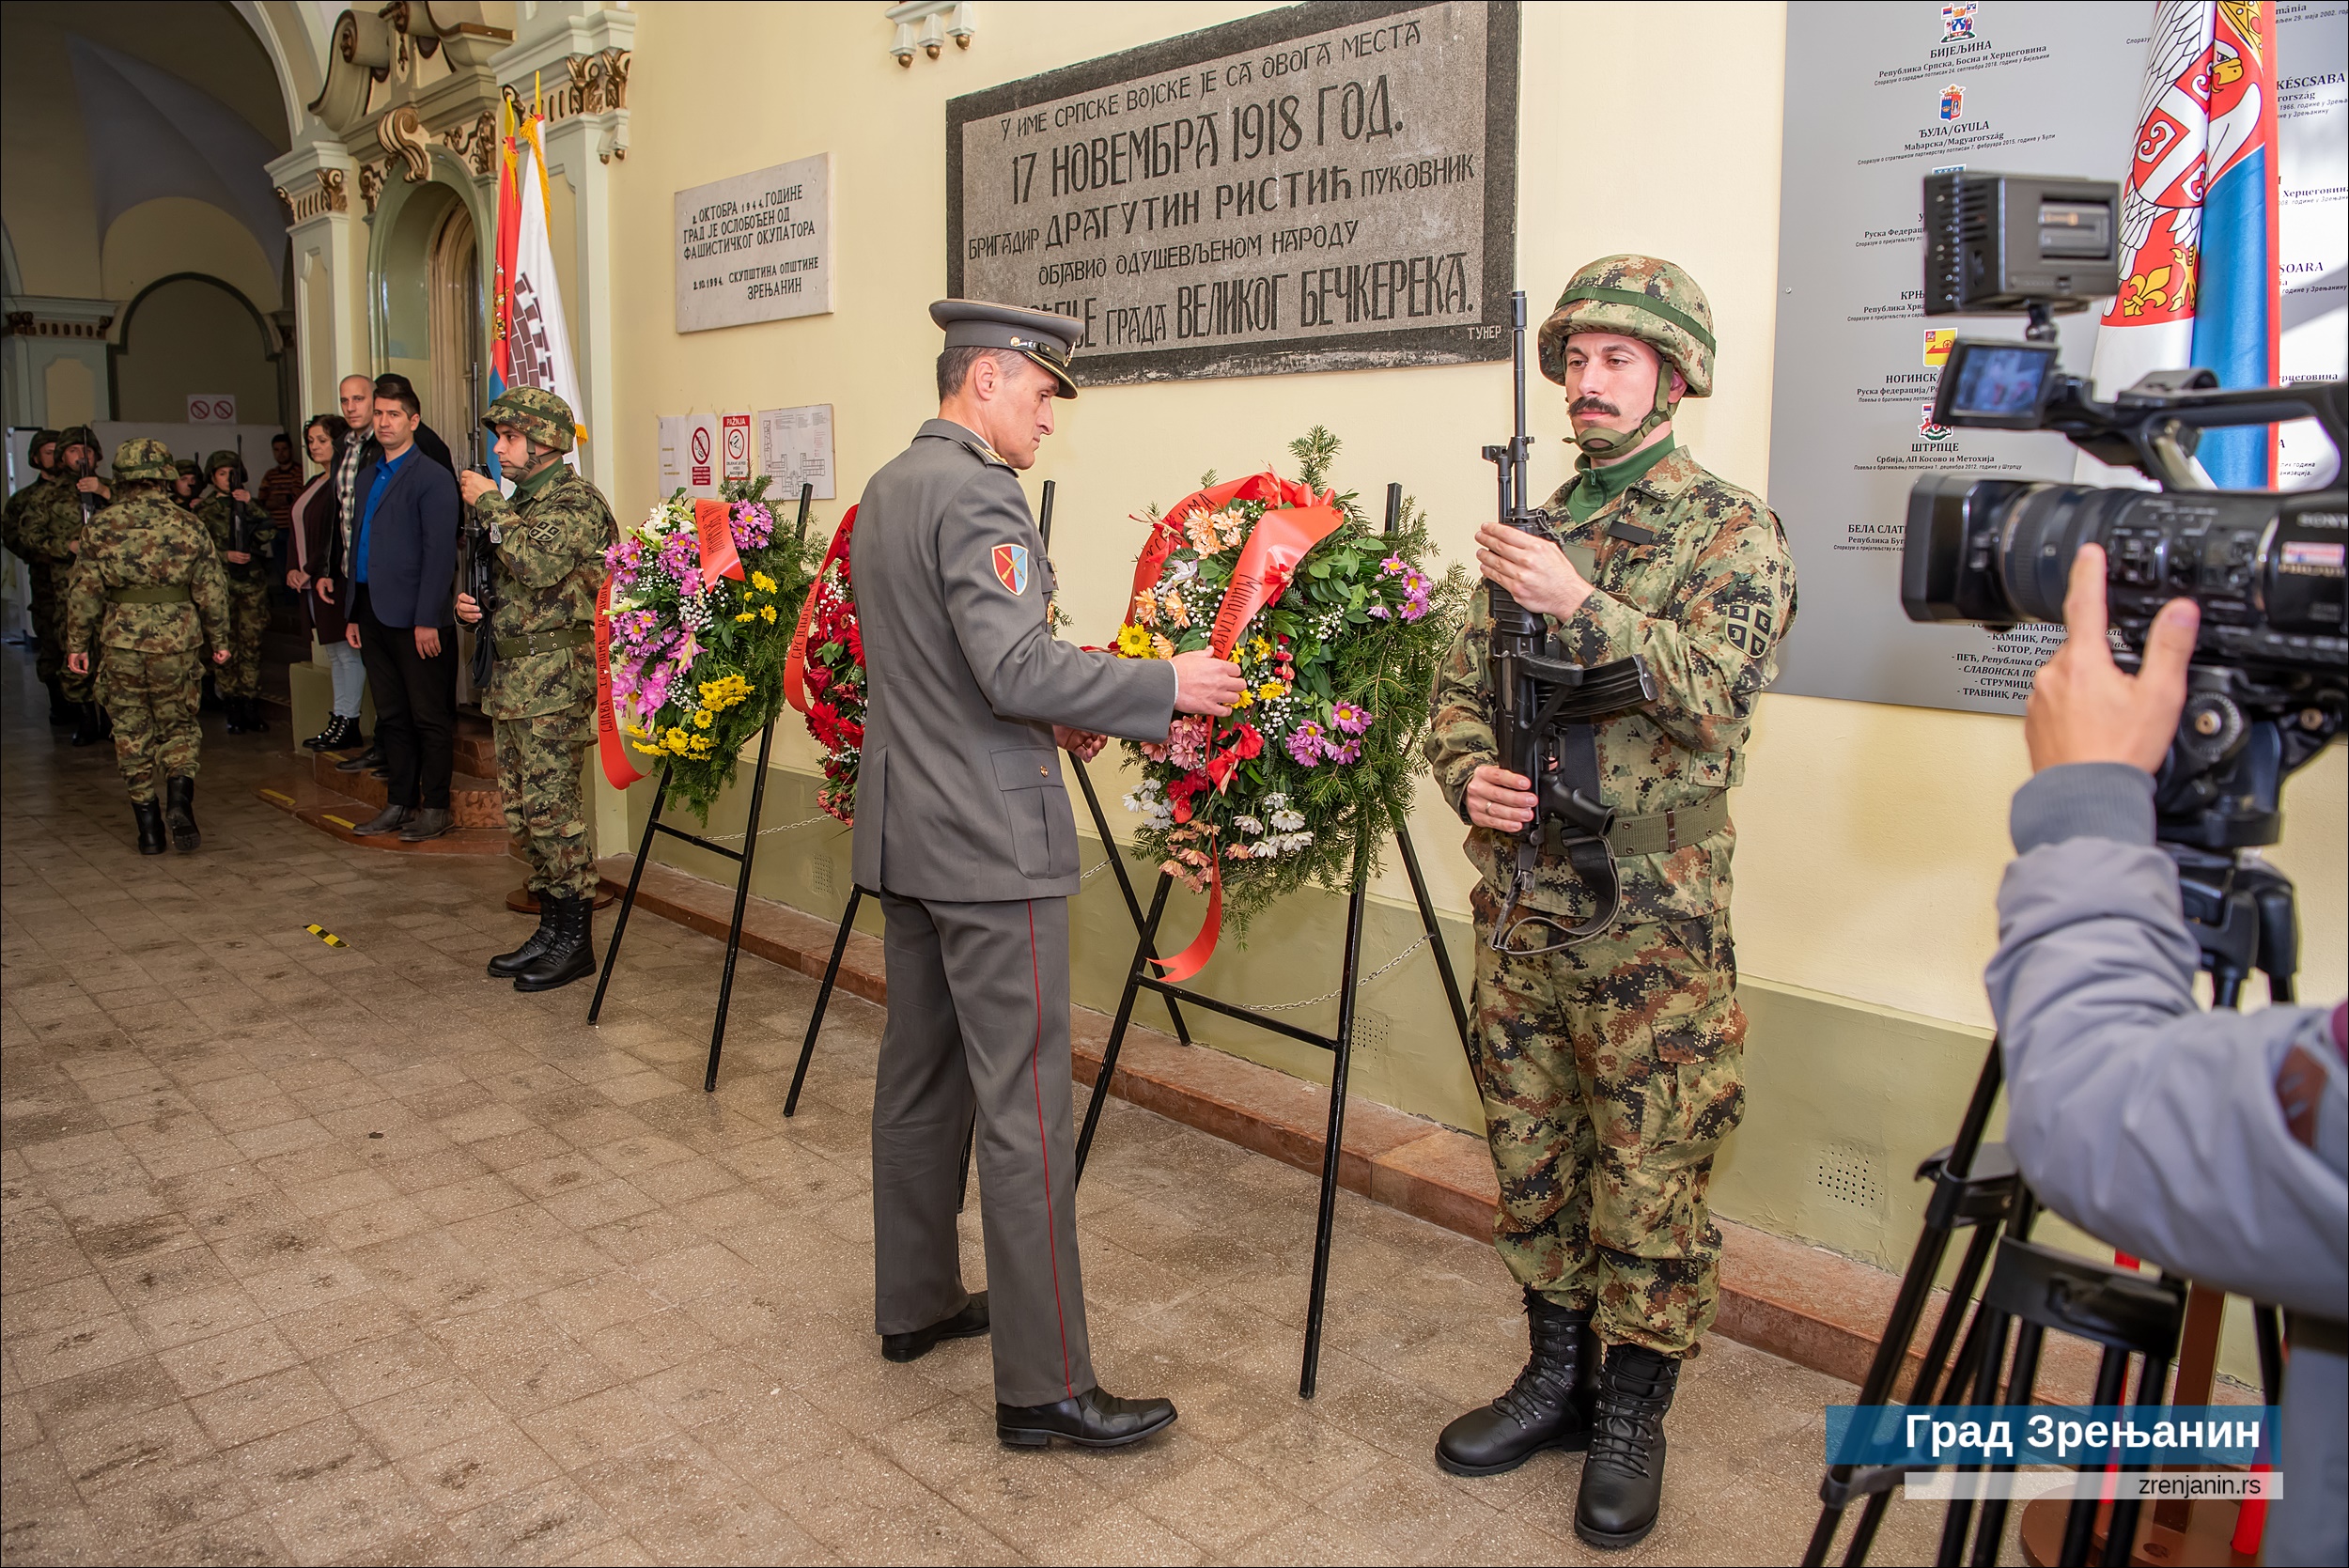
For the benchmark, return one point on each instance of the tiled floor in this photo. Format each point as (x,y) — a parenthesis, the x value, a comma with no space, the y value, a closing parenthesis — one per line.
(350,1254)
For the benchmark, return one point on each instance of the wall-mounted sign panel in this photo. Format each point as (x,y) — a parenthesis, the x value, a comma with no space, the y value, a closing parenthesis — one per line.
(756,247)
(1328,187)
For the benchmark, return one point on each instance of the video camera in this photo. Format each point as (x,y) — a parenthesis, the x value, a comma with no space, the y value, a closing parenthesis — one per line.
(2271,663)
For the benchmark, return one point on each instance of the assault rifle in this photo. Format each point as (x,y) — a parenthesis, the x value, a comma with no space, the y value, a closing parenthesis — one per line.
(480,576)
(1543,709)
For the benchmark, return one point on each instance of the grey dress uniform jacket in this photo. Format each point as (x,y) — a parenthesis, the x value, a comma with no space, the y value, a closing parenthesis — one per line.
(2213,1143)
(959,794)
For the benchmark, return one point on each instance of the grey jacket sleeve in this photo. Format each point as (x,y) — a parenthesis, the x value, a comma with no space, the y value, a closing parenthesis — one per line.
(1024,673)
(2145,1121)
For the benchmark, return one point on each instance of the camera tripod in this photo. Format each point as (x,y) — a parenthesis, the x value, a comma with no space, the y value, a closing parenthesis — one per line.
(2241,912)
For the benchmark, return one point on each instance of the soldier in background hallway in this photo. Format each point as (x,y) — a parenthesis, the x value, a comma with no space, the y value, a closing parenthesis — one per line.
(242,533)
(550,540)
(42,455)
(186,483)
(1610,1062)
(51,531)
(148,587)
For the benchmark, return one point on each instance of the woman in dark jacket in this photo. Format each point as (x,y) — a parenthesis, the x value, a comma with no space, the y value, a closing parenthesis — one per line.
(316,521)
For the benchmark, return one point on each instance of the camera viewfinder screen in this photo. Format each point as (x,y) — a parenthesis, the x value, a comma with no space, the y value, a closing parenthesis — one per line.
(1996,381)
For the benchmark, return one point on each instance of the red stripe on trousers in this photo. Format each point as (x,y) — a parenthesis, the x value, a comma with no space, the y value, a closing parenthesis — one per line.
(1035,971)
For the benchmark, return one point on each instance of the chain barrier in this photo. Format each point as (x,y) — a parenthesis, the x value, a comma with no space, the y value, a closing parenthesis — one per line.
(1313,1002)
(779,827)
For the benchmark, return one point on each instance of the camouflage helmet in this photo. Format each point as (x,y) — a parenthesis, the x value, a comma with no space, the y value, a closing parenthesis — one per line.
(144,457)
(187,469)
(78,435)
(227,457)
(1641,297)
(41,438)
(538,414)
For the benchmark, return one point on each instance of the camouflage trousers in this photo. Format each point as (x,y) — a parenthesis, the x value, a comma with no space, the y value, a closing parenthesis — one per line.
(546,809)
(152,698)
(248,619)
(48,616)
(1610,1073)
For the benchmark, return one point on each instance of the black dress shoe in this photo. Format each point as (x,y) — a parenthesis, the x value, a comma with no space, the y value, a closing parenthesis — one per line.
(1093,1420)
(371,758)
(1623,1479)
(389,820)
(968,1324)
(1548,1407)
(431,822)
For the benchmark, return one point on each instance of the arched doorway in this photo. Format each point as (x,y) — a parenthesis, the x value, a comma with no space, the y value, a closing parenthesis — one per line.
(429,299)
(453,282)
(191,334)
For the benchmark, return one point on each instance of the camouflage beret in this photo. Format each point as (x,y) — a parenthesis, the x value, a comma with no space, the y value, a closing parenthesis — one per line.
(227,458)
(144,457)
(1640,297)
(538,414)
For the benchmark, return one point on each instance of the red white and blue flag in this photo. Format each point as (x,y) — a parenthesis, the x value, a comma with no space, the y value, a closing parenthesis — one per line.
(2198,272)
(530,344)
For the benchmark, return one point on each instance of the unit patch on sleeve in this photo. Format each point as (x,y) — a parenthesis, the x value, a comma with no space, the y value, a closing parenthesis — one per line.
(1748,630)
(1011,568)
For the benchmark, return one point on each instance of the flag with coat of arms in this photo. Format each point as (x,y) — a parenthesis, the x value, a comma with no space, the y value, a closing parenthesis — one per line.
(530,344)
(2198,272)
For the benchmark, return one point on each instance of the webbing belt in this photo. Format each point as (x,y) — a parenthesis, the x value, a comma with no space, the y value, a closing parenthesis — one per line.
(545,642)
(175,593)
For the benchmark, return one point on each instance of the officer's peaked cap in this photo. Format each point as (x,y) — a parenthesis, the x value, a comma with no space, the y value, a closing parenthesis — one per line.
(1047,340)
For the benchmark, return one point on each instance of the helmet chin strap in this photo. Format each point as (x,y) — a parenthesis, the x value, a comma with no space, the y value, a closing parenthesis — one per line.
(1599,443)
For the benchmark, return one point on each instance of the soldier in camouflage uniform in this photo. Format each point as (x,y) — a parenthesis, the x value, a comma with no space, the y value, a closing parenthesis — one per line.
(42,456)
(49,530)
(1611,1066)
(550,540)
(148,587)
(187,483)
(244,534)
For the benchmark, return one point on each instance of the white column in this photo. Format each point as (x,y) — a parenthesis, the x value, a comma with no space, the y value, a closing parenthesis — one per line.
(318,181)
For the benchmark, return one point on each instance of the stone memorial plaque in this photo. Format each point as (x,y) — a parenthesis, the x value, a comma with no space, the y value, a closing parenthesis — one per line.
(1328,187)
(756,247)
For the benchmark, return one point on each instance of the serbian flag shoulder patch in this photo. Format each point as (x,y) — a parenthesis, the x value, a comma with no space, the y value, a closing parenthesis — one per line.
(1011,568)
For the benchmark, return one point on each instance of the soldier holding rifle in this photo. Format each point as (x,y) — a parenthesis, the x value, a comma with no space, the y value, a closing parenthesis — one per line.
(242,533)
(41,456)
(49,531)
(1610,1057)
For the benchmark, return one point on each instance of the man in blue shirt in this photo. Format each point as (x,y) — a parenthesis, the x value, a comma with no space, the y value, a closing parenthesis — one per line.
(403,568)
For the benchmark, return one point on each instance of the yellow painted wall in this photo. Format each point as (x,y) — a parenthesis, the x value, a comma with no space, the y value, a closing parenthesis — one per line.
(177,234)
(1872,837)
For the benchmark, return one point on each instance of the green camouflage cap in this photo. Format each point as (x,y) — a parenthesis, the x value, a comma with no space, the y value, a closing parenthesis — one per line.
(226,457)
(1640,297)
(538,414)
(144,457)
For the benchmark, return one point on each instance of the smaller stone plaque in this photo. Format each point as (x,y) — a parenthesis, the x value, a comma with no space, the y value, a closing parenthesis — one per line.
(756,247)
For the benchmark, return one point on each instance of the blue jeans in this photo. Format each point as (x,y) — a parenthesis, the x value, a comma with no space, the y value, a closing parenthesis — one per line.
(351,674)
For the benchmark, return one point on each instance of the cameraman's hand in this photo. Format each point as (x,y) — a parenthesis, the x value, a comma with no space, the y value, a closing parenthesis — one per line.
(1500,800)
(2083,708)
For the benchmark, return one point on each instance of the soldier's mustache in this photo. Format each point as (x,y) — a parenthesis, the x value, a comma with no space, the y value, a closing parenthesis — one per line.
(1591,405)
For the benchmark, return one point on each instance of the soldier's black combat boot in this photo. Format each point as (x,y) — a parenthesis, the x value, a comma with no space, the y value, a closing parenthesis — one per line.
(235,708)
(255,716)
(1548,1407)
(150,817)
(89,724)
(1623,1479)
(570,952)
(180,814)
(506,965)
(60,711)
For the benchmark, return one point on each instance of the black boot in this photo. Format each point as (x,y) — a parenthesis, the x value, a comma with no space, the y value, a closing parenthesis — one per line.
(89,724)
(60,711)
(506,965)
(1548,1407)
(235,708)
(1623,1479)
(255,719)
(180,812)
(570,952)
(341,733)
(150,817)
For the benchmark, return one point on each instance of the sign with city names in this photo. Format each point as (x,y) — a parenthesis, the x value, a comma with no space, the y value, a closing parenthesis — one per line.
(1886,95)
(756,247)
(1328,187)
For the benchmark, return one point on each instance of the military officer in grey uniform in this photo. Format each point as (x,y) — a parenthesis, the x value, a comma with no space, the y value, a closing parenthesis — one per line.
(963,827)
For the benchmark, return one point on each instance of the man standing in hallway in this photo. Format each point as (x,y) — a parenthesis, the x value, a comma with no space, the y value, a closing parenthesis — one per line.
(244,534)
(403,571)
(356,396)
(1608,1036)
(282,483)
(963,828)
(147,586)
(550,540)
(41,456)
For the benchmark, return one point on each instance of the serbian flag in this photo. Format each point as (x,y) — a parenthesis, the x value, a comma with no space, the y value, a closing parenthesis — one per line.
(529,342)
(2199,274)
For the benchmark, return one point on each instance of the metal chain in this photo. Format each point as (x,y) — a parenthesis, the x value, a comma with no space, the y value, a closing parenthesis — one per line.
(1311,1001)
(779,827)
(1096,871)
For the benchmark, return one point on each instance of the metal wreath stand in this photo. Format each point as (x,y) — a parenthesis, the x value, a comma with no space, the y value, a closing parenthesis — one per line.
(1340,1044)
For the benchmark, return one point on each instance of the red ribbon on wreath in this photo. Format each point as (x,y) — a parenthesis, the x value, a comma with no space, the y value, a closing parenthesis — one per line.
(1296,519)
(609,745)
(795,663)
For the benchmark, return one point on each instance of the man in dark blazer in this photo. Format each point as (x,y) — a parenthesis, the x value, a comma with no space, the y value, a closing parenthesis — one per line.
(402,573)
(963,827)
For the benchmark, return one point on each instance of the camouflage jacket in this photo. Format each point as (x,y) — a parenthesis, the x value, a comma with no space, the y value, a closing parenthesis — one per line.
(50,521)
(552,536)
(1705,603)
(147,540)
(217,507)
(13,515)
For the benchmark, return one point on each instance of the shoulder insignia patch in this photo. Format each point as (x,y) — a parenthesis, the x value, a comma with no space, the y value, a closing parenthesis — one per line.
(1748,630)
(1011,566)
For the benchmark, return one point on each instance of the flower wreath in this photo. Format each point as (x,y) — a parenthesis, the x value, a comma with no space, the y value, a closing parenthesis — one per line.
(691,630)
(1338,642)
(825,677)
